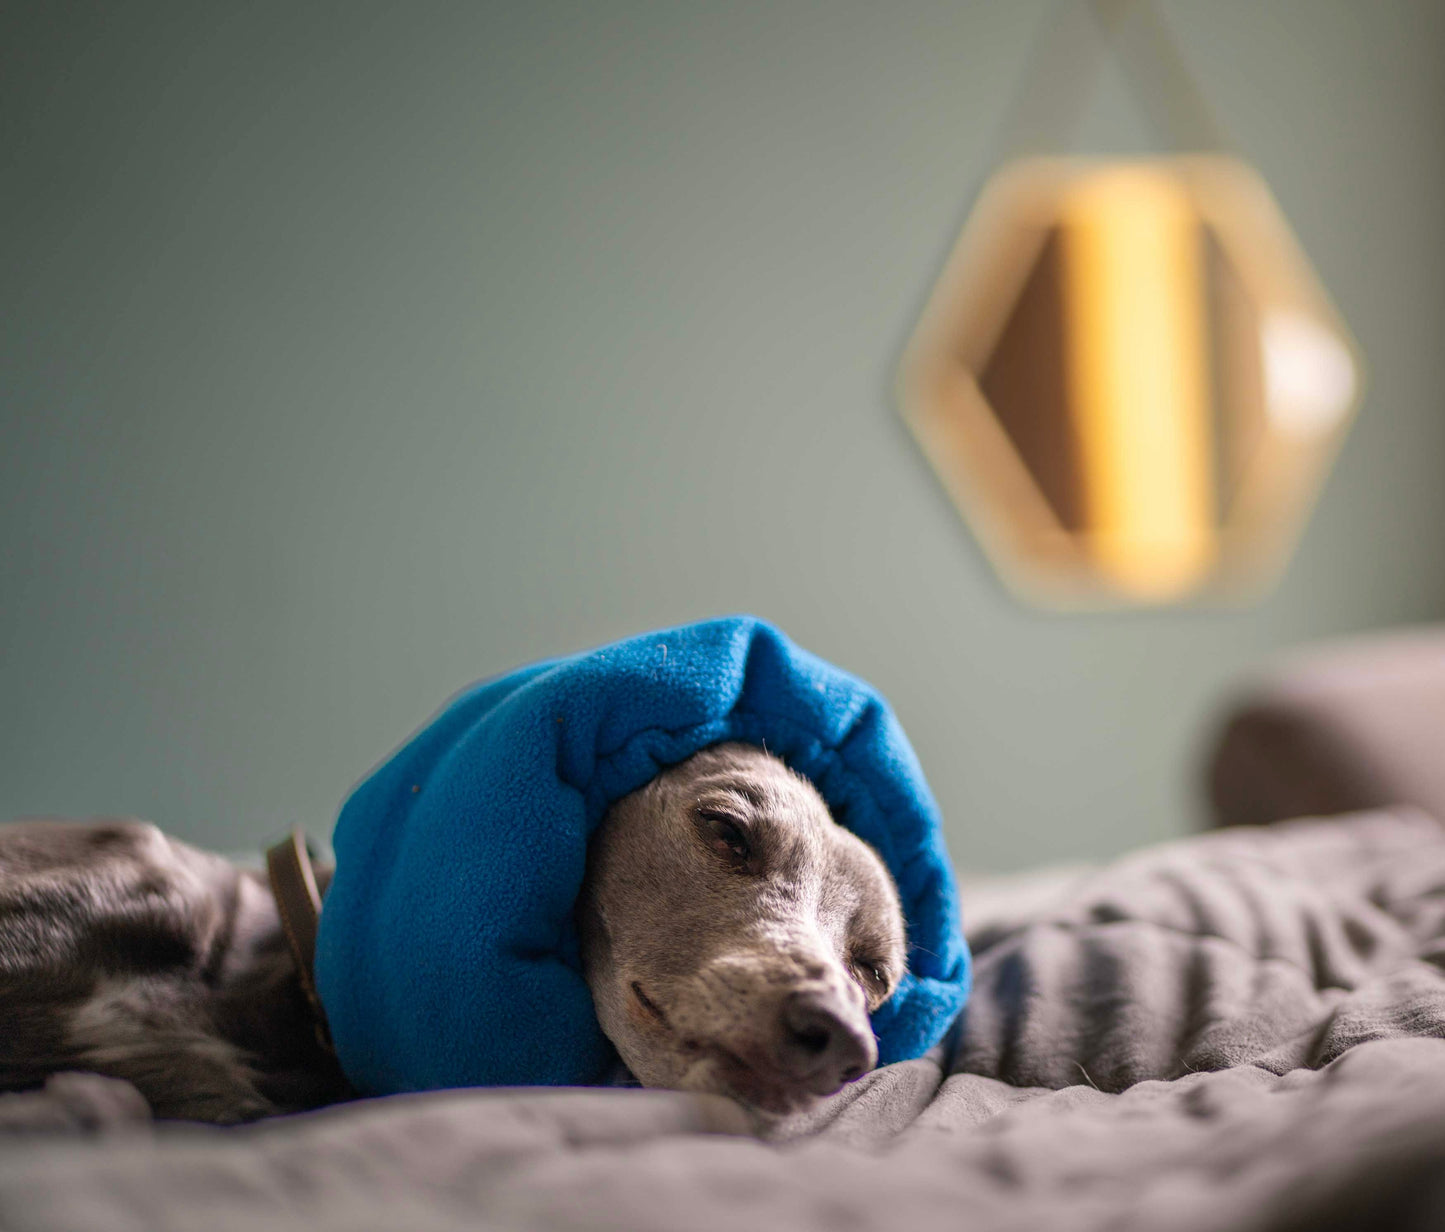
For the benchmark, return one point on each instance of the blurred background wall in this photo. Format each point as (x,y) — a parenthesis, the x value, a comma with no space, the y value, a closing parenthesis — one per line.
(352,352)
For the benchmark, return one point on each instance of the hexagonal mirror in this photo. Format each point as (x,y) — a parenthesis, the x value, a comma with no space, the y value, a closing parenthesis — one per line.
(1130,381)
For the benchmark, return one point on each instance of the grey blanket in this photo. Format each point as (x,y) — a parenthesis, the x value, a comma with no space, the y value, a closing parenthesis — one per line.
(1244,1030)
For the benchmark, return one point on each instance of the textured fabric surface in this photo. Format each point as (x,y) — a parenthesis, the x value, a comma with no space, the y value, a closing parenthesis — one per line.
(1351,725)
(1237,1032)
(447,955)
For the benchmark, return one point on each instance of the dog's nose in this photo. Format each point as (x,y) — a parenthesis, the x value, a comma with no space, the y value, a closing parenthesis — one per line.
(821,1045)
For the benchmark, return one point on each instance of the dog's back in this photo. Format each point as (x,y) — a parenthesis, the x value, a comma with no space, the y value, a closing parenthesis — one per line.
(129,954)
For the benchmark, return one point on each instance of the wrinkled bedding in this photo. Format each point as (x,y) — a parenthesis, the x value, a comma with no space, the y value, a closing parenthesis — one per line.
(1244,1030)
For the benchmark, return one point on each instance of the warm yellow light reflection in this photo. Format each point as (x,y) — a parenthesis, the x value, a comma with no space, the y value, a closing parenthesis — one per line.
(1130,381)
(1138,377)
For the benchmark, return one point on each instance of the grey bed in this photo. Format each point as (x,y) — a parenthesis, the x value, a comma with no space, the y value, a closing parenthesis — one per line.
(1243,1030)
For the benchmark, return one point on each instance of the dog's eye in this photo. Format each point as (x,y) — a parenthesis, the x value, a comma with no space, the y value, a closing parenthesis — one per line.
(726,837)
(870,971)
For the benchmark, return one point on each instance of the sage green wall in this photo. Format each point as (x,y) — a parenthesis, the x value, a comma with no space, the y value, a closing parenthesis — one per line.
(352,352)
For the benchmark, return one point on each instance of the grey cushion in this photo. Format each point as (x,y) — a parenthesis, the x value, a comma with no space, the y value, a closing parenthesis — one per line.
(1341,727)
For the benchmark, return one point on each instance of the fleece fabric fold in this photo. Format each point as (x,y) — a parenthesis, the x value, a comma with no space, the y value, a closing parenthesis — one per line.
(448,954)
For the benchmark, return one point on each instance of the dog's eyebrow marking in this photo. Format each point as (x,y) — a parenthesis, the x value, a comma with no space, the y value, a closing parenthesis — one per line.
(748,796)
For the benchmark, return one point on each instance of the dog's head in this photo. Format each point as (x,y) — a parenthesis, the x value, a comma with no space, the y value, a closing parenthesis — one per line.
(735,937)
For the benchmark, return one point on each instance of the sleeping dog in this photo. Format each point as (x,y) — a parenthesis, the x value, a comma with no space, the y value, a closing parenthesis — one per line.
(734,937)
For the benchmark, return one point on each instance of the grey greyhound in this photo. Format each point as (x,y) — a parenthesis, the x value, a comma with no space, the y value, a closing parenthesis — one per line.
(734,937)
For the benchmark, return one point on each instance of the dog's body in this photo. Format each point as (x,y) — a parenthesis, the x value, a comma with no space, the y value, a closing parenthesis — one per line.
(127,953)
(734,938)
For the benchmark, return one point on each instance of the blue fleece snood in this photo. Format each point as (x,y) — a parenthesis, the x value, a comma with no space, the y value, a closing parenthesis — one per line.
(448,954)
